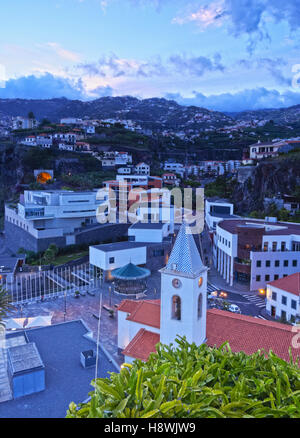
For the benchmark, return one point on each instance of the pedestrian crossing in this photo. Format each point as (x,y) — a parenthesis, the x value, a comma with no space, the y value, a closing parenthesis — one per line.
(211,288)
(259,302)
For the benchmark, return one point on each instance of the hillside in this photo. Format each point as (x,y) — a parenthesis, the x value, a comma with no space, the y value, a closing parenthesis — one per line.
(155,114)
(281,116)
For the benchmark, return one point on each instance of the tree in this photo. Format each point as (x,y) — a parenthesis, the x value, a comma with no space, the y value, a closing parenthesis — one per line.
(50,254)
(31,115)
(5,303)
(197,382)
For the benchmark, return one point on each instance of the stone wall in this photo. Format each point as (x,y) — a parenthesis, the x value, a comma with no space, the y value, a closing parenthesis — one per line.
(16,237)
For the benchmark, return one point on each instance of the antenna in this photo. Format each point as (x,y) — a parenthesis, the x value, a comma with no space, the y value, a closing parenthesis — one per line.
(98,340)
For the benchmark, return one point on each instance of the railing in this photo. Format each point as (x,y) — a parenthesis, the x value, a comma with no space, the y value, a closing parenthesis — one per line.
(47,285)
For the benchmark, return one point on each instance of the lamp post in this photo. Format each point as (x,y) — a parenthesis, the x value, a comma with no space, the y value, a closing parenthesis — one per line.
(109,290)
(65,303)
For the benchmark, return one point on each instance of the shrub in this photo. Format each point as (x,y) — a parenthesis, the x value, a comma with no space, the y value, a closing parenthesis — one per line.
(192,382)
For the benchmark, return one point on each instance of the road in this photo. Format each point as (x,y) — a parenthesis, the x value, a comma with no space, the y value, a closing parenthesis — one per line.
(251,305)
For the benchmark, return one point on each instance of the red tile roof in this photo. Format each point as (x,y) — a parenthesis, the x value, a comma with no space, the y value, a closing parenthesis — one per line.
(147,312)
(242,332)
(291,283)
(248,334)
(128,306)
(142,345)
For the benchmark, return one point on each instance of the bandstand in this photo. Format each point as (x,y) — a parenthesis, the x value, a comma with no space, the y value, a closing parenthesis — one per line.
(130,279)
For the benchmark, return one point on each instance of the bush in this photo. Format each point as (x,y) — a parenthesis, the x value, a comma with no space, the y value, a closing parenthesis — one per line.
(197,382)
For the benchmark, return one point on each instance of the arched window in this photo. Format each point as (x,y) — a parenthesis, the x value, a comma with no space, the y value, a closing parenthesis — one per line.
(176,307)
(200,306)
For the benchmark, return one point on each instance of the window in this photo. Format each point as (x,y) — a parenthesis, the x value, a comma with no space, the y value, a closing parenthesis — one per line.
(293,318)
(273,311)
(277,263)
(295,263)
(258,277)
(285,263)
(283,300)
(276,276)
(274,246)
(200,306)
(282,246)
(258,264)
(268,263)
(111,260)
(274,296)
(176,308)
(294,304)
(283,315)
(267,277)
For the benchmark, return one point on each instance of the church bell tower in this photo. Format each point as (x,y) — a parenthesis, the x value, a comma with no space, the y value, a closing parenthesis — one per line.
(184,292)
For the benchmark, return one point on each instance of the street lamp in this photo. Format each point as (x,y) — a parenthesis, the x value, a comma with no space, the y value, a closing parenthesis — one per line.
(65,309)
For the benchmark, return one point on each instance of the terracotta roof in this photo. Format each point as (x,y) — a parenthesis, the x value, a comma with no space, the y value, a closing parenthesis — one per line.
(142,345)
(291,283)
(128,306)
(242,332)
(147,312)
(249,334)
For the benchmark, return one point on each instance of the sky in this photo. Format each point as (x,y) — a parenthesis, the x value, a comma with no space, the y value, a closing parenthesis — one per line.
(226,55)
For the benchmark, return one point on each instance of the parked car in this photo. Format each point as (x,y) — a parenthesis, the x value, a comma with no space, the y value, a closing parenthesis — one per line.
(234,308)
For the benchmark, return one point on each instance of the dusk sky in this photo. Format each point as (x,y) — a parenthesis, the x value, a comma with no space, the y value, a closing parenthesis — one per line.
(227,55)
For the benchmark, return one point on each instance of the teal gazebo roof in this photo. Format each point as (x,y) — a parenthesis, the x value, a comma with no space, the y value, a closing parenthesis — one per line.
(130,272)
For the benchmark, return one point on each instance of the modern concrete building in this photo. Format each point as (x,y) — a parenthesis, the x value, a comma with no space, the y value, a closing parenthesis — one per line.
(217,210)
(57,216)
(283,298)
(255,251)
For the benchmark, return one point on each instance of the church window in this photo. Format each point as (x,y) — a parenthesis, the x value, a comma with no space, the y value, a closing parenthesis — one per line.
(200,306)
(176,308)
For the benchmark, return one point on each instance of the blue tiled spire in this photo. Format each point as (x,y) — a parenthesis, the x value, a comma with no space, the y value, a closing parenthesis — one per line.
(185,256)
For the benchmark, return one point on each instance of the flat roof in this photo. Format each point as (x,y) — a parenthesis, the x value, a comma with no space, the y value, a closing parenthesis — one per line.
(231,225)
(9,264)
(148,226)
(60,347)
(118,246)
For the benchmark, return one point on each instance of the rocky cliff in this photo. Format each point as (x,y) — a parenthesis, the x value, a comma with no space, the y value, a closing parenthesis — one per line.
(267,179)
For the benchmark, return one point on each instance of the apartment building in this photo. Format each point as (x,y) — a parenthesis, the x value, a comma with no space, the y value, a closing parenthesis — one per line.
(216,210)
(255,252)
(283,298)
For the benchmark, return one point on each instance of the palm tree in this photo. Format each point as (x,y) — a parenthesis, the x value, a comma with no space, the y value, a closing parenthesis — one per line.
(5,303)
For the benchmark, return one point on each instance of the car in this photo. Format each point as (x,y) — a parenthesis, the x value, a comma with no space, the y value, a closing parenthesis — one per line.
(223,294)
(234,308)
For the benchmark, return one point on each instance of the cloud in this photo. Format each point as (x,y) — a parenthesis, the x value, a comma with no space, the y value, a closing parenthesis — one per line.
(114,67)
(272,65)
(243,16)
(196,66)
(46,86)
(258,98)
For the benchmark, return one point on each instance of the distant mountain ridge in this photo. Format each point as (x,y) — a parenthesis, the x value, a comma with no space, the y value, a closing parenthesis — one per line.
(153,113)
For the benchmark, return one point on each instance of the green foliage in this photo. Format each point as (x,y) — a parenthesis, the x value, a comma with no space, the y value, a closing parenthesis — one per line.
(50,254)
(222,187)
(197,382)
(5,303)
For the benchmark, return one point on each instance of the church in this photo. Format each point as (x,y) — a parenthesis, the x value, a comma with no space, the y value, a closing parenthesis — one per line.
(182,311)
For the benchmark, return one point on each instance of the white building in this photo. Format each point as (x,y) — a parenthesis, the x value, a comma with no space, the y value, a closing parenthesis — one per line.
(108,257)
(68,137)
(24,123)
(65,147)
(149,232)
(71,121)
(142,169)
(51,214)
(217,210)
(283,298)
(177,168)
(260,150)
(255,251)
